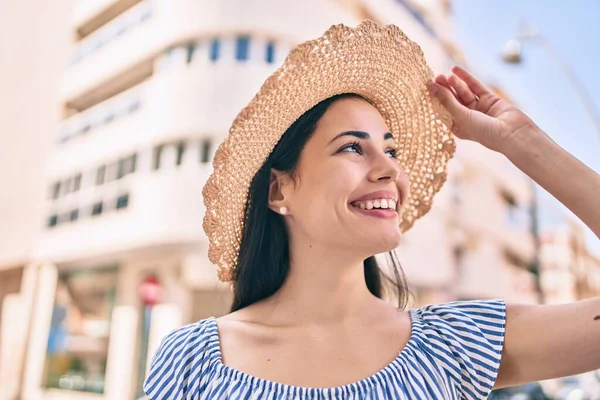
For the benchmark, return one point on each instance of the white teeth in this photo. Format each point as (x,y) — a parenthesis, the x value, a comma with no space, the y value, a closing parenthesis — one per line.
(377,203)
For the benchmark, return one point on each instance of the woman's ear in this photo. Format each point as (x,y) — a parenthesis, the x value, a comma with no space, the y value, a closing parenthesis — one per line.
(276,196)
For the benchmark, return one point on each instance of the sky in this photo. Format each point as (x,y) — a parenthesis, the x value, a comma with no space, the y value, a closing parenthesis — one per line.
(538,85)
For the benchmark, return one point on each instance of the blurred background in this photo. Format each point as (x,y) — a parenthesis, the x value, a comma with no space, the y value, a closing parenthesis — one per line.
(113,109)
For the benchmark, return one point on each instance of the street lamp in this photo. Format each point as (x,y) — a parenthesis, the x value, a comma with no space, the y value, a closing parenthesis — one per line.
(512,53)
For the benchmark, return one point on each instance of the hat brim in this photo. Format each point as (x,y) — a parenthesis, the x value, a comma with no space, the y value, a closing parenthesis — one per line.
(378,63)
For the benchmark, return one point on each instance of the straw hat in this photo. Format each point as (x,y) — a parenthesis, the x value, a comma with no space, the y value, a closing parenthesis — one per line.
(376,62)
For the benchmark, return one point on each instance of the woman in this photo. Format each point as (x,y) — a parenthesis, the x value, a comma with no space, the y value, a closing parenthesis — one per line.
(340,152)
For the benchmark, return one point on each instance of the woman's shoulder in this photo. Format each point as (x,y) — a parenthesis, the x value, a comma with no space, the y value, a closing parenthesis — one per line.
(180,358)
(467,338)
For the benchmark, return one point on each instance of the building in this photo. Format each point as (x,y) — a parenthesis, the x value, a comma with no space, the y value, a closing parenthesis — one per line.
(150,90)
(569,271)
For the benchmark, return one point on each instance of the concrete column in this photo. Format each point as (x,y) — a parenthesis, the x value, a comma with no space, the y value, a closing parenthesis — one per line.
(165,318)
(43,305)
(121,366)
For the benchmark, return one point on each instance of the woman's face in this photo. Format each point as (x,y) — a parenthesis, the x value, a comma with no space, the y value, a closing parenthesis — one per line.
(348,190)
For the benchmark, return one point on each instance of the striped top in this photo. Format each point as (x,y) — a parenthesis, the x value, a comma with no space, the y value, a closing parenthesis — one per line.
(453,352)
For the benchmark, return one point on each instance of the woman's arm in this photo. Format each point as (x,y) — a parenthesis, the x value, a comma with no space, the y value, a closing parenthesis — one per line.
(569,180)
(541,342)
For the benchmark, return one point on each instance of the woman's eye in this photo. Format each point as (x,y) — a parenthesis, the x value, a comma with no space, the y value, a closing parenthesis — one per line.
(352,148)
(393,153)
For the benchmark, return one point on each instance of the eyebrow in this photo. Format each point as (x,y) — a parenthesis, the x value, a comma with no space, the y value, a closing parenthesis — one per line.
(360,135)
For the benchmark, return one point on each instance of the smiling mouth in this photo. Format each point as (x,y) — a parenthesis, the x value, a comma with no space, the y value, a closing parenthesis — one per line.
(378,209)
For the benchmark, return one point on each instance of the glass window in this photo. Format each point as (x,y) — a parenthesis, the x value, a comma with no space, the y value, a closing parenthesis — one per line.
(56,190)
(100,175)
(79,331)
(73,215)
(52,221)
(191,48)
(122,201)
(214,49)
(157,154)
(242,48)
(97,208)
(270,54)
(180,152)
(205,151)
(77,183)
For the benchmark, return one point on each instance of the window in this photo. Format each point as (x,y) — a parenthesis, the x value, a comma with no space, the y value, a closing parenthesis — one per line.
(52,221)
(133,161)
(100,175)
(180,152)
(242,48)
(77,182)
(270,54)
(214,49)
(157,154)
(97,208)
(77,346)
(205,151)
(134,105)
(110,116)
(55,191)
(67,186)
(74,215)
(122,201)
(191,48)
(121,169)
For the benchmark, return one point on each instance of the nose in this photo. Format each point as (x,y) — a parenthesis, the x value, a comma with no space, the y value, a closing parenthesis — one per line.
(384,168)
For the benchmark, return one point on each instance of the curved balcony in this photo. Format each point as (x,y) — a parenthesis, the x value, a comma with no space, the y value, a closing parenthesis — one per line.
(143,209)
(150,27)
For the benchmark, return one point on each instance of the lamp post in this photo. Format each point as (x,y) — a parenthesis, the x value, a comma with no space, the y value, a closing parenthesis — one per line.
(513,53)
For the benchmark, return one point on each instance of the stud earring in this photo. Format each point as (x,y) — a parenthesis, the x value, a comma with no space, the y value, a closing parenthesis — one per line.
(283,210)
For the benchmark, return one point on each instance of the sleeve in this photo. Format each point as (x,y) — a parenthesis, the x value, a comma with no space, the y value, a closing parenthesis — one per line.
(467,337)
(174,369)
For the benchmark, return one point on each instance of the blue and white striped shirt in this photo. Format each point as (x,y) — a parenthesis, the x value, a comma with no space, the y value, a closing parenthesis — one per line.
(453,352)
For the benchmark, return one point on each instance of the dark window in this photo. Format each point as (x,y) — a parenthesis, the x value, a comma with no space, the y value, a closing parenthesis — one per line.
(270,55)
(100,175)
(56,190)
(133,162)
(77,183)
(97,208)
(73,215)
(242,48)
(215,46)
(157,154)
(52,221)
(191,48)
(86,128)
(121,169)
(205,151)
(180,152)
(122,201)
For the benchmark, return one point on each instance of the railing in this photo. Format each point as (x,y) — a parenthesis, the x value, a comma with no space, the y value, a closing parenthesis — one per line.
(112,31)
(101,115)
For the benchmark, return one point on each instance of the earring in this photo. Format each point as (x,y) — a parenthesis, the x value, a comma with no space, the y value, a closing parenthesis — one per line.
(283,210)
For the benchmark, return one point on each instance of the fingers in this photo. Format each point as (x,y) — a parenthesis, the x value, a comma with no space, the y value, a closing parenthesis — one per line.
(449,101)
(474,85)
(464,94)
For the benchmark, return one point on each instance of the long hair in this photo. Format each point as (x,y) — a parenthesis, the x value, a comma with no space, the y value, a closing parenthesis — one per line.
(264,260)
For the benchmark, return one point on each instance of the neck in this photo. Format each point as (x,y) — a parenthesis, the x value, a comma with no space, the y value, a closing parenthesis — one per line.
(325,285)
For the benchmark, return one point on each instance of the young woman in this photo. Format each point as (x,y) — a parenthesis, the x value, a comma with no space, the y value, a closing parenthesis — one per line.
(339,153)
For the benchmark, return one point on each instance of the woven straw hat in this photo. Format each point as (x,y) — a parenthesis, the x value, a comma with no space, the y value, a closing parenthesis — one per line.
(376,62)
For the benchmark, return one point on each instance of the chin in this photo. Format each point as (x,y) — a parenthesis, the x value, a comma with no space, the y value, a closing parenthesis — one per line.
(384,243)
